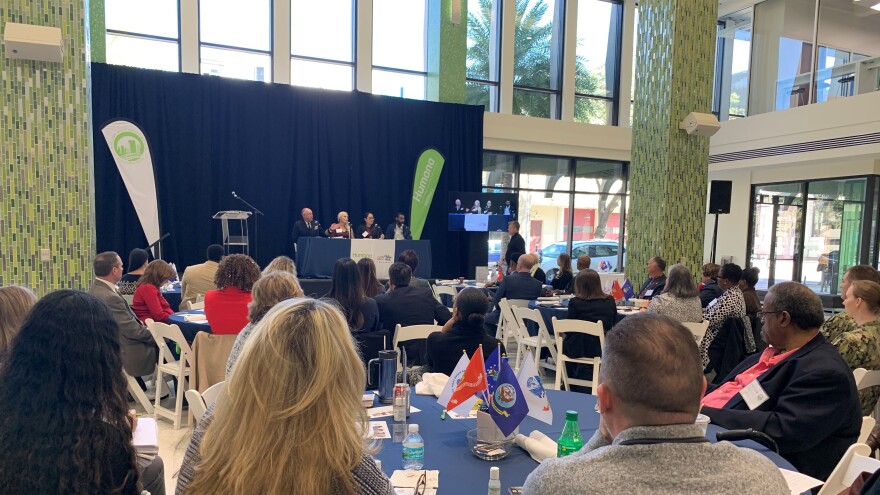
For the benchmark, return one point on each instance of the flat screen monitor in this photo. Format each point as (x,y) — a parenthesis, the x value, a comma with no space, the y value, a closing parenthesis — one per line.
(481,212)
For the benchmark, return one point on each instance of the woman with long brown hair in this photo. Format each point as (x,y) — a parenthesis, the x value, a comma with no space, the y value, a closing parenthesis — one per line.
(372,286)
(148,300)
(290,418)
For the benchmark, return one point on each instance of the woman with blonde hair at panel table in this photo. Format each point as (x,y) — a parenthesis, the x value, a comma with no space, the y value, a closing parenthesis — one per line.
(342,228)
(290,418)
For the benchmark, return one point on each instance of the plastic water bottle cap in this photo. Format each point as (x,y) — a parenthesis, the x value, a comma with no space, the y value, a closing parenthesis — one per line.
(494,473)
(571,415)
(413,428)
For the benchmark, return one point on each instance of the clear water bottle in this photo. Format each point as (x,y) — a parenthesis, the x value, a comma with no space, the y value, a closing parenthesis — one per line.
(494,481)
(571,440)
(413,449)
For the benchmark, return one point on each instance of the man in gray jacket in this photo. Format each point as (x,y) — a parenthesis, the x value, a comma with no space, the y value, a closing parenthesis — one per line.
(139,352)
(647,442)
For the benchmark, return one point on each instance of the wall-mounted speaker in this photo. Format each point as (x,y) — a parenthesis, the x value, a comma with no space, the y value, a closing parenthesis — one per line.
(719,196)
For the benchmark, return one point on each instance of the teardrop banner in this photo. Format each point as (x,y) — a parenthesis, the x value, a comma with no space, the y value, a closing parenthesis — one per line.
(428,170)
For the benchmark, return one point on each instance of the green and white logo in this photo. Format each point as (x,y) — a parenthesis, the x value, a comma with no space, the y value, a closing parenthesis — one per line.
(428,170)
(128,146)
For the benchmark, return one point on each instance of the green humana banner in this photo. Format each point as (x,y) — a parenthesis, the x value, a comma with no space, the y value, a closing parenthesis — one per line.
(428,170)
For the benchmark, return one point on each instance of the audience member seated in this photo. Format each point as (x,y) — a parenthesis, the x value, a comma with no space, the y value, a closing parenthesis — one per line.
(372,286)
(227,307)
(464,331)
(199,279)
(564,275)
(139,351)
(536,270)
(411,259)
(268,291)
(369,229)
(15,302)
(407,305)
(583,263)
(747,286)
(647,442)
(656,279)
(843,322)
(296,386)
(280,264)
(66,425)
(860,348)
(589,303)
(137,263)
(709,289)
(360,311)
(148,299)
(803,393)
(518,285)
(679,299)
(341,229)
(729,304)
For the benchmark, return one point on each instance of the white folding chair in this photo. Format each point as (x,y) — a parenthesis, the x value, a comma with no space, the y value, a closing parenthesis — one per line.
(199,403)
(139,395)
(200,298)
(697,329)
(193,305)
(867,425)
(866,379)
(504,332)
(540,341)
(854,462)
(560,328)
(168,365)
(129,298)
(439,290)
(412,332)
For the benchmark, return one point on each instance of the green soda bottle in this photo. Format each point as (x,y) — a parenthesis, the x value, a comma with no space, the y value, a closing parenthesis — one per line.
(571,440)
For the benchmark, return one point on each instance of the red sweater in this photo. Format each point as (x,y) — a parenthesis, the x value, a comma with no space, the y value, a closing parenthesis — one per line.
(226,310)
(148,302)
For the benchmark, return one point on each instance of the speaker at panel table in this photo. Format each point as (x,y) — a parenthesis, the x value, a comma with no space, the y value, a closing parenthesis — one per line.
(481,212)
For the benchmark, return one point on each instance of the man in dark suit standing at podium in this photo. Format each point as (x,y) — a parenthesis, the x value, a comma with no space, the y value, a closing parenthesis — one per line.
(307,227)
(516,245)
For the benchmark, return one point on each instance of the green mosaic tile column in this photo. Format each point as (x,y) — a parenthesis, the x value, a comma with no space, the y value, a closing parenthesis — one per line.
(45,180)
(668,175)
(447,52)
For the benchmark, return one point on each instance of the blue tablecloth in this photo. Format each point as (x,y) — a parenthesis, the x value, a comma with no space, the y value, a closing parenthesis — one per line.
(173,297)
(190,328)
(315,256)
(446,446)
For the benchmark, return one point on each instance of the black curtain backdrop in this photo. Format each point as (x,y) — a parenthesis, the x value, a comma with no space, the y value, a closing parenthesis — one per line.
(281,148)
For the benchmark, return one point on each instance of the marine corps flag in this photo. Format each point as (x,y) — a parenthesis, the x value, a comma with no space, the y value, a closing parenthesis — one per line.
(472,382)
(616,291)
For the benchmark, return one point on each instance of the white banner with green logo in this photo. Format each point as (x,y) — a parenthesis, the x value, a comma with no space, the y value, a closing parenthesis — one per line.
(380,251)
(428,170)
(132,155)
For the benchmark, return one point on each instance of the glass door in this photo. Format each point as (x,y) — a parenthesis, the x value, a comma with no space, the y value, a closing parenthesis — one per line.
(777,230)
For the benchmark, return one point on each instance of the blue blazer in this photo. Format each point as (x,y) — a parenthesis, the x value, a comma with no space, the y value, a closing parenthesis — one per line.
(389,232)
(518,285)
(813,411)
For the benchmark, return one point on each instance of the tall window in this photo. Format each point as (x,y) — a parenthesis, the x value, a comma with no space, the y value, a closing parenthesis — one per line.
(322,44)
(143,34)
(483,53)
(399,48)
(597,60)
(733,51)
(537,59)
(236,41)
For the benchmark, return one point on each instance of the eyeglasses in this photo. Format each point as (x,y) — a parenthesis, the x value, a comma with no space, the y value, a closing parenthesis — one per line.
(421,484)
(762,313)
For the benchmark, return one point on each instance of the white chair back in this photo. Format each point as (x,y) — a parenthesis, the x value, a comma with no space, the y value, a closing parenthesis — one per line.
(697,329)
(200,298)
(508,325)
(412,332)
(439,290)
(542,340)
(211,395)
(129,298)
(199,403)
(867,425)
(866,378)
(181,368)
(854,462)
(193,305)
(560,328)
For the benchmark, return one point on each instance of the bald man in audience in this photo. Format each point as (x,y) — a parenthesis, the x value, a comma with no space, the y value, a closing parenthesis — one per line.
(517,285)
(583,263)
(650,385)
(799,391)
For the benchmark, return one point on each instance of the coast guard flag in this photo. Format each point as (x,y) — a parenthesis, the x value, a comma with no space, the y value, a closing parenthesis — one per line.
(628,289)
(472,381)
(533,389)
(507,403)
(455,379)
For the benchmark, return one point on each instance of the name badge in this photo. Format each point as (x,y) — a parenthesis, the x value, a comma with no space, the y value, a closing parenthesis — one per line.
(754,395)
(365,234)
(714,301)
(338,231)
(649,292)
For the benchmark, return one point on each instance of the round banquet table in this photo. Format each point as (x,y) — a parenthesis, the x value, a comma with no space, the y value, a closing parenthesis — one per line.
(189,329)
(173,296)
(447,301)
(446,447)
